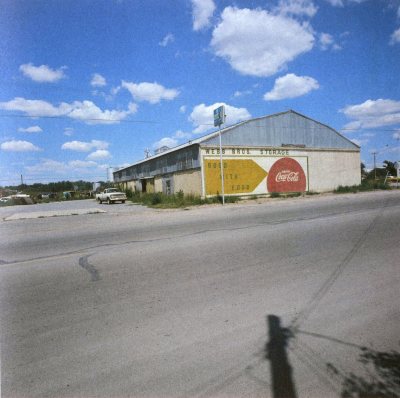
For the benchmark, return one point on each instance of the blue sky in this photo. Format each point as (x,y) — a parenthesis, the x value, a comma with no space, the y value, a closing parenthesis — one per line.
(89,85)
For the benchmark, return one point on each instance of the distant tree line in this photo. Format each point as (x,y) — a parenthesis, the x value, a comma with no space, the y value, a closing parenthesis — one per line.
(379,172)
(60,186)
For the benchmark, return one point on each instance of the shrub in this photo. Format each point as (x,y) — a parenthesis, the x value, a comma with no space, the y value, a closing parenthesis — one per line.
(177,200)
(156,198)
(366,185)
(312,193)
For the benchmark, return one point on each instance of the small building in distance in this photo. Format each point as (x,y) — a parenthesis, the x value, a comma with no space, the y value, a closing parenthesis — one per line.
(283,152)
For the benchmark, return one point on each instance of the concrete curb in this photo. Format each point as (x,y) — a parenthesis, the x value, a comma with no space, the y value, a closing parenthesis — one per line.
(52,213)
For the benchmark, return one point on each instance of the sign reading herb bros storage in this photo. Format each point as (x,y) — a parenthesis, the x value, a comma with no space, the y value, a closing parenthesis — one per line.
(254,171)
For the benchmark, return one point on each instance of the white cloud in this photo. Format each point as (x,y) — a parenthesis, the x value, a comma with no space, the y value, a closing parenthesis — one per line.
(68,131)
(81,164)
(90,113)
(291,86)
(396,135)
(296,7)
(173,141)
(19,146)
(326,42)
(182,109)
(98,80)
(203,11)
(82,146)
(35,107)
(395,37)
(115,90)
(132,107)
(373,113)
(46,166)
(42,73)
(166,141)
(182,135)
(336,3)
(341,3)
(150,92)
(258,43)
(85,111)
(99,155)
(169,38)
(202,116)
(237,94)
(32,129)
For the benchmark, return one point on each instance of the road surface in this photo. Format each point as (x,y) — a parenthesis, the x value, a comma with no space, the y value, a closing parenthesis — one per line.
(144,303)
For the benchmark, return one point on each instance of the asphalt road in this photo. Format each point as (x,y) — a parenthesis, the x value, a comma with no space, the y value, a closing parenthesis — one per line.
(143,303)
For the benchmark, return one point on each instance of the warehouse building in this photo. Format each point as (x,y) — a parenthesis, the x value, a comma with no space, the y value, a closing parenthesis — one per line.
(283,152)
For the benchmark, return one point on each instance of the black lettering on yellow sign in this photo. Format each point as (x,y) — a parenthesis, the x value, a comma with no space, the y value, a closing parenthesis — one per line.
(240,176)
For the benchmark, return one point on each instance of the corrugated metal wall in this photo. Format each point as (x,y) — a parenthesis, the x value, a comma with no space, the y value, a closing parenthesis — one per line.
(184,159)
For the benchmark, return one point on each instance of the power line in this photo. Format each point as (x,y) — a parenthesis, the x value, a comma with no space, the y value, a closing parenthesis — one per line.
(106,121)
(81,119)
(57,179)
(370,128)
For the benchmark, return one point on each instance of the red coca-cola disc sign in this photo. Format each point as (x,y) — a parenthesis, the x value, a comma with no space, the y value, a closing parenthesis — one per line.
(286,175)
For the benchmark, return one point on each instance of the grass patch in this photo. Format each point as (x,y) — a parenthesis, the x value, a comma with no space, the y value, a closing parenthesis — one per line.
(293,194)
(175,201)
(285,194)
(310,193)
(366,185)
(274,195)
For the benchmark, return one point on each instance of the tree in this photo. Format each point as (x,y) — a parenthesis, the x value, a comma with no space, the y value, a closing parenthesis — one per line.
(389,167)
(363,171)
(379,173)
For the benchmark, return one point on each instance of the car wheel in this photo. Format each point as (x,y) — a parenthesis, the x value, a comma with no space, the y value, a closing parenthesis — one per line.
(109,201)
(123,201)
(100,201)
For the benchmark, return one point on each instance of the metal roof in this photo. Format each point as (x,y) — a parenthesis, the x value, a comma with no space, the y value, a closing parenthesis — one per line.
(282,129)
(288,128)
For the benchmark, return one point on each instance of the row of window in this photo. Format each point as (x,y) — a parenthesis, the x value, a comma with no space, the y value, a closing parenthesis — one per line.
(168,163)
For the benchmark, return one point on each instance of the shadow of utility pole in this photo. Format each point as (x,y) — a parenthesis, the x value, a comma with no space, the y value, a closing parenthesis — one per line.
(281,372)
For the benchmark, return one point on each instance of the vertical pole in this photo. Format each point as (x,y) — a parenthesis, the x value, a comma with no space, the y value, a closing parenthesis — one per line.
(398,163)
(221,165)
(374,153)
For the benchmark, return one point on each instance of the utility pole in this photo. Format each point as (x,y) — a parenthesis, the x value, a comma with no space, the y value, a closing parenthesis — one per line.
(374,153)
(219,118)
(22,181)
(222,166)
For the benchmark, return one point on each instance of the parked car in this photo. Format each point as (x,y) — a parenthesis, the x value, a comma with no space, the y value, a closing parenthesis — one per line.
(111,195)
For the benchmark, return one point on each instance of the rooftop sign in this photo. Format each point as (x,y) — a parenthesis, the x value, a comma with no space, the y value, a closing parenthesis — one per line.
(219,116)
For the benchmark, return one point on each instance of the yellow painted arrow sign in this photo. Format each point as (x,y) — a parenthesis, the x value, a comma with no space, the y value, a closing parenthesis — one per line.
(240,176)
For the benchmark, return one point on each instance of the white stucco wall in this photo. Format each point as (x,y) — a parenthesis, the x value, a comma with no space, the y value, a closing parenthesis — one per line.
(329,169)
(324,169)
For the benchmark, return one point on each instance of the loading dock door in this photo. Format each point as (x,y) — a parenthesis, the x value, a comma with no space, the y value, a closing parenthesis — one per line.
(144,185)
